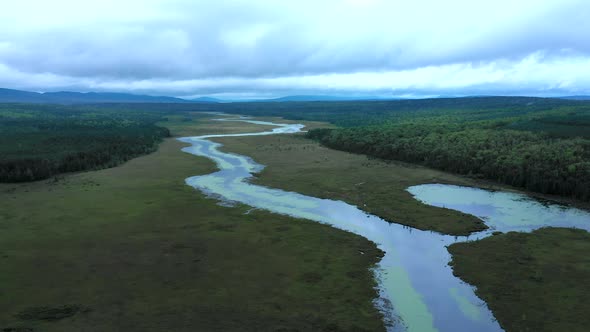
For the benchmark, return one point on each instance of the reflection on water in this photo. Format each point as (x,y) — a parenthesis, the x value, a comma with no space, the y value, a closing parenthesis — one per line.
(414,276)
(502,211)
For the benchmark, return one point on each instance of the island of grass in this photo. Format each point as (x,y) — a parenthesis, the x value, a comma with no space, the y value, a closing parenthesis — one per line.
(537,281)
(379,187)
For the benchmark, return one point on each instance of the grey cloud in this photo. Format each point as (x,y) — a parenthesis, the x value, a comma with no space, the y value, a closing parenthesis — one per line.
(163,46)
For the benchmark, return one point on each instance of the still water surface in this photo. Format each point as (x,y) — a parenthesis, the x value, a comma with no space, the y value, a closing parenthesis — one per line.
(418,291)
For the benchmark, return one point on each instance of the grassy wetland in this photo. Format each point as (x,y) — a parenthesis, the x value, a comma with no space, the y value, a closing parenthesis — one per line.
(532,281)
(133,248)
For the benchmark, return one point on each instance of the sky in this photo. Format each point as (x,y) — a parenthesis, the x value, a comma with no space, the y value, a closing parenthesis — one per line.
(268,48)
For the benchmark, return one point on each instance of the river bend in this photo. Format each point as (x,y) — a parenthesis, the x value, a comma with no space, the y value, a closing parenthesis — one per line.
(418,292)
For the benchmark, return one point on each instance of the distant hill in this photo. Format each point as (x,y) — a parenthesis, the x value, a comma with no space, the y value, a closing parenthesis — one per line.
(107,97)
(67,97)
(206,100)
(18,96)
(576,97)
(321,98)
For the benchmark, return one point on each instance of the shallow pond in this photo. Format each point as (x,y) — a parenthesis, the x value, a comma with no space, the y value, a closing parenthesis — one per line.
(418,291)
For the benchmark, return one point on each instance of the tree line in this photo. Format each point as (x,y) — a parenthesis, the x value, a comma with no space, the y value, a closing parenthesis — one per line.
(39,141)
(531,160)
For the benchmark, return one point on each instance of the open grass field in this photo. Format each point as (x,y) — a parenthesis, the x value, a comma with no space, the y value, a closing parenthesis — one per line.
(132,248)
(379,187)
(538,281)
(195,124)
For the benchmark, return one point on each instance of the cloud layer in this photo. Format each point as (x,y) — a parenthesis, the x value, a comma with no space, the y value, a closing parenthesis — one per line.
(269,48)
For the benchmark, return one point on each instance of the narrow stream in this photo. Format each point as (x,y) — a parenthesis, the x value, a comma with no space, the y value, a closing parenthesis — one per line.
(418,291)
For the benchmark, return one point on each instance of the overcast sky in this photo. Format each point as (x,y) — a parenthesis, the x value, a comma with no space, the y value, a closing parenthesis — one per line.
(259,48)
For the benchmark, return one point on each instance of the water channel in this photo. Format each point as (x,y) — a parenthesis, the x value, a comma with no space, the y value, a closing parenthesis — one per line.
(418,291)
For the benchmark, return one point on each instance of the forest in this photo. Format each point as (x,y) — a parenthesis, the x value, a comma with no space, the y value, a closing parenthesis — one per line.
(362,113)
(545,150)
(40,141)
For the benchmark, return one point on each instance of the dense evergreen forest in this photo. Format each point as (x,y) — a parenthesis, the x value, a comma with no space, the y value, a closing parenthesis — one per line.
(362,113)
(544,148)
(39,141)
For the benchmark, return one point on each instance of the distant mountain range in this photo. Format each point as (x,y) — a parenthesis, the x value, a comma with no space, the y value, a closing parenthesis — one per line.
(206,100)
(576,97)
(323,98)
(66,97)
(296,98)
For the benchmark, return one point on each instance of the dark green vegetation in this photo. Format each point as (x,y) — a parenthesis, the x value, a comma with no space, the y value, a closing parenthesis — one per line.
(534,161)
(545,151)
(364,113)
(50,314)
(532,282)
(39,141)
(132,248)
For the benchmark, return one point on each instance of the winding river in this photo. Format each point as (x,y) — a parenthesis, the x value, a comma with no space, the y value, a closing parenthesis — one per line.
(418,291)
